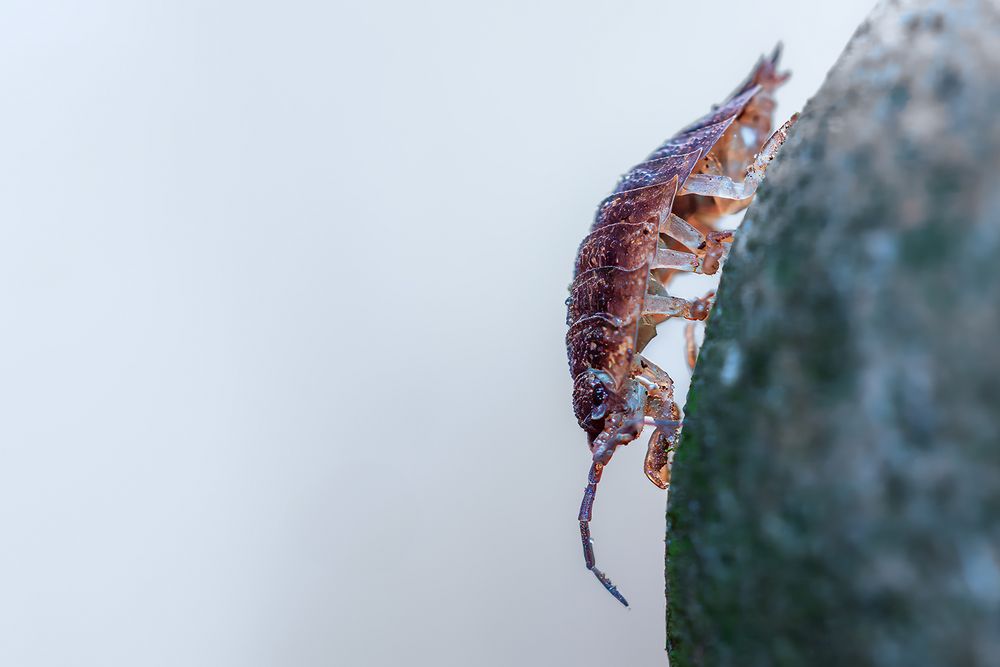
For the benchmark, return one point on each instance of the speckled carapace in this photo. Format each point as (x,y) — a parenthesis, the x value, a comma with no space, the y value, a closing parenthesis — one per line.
(659,220)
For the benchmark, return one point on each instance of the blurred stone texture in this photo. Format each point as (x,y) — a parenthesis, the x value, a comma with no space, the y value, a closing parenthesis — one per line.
(836,495)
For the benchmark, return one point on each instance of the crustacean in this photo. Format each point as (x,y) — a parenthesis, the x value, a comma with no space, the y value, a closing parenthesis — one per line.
(659,220)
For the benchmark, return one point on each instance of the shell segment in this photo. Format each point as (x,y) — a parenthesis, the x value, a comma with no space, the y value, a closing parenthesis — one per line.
(623,245)
(604,343)
(658,172)
(651,203)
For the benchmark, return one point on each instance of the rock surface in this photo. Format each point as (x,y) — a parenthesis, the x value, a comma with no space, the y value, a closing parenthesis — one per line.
(836,494)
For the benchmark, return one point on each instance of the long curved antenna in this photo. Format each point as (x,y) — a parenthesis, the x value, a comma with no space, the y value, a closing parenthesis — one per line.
(586,512)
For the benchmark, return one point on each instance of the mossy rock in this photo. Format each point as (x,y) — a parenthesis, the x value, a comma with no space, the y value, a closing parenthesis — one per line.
(836,493)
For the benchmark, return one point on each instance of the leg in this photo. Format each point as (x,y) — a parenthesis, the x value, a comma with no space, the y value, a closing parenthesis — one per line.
(660,311)
(675,259)
(727,188)
(706,261)
(691,345)
(682,231)
(665,416)
(658,281)
(673,306)
(711,249)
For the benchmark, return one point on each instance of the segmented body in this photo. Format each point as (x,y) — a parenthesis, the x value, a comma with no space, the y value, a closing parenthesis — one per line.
(636,243)
(613,264)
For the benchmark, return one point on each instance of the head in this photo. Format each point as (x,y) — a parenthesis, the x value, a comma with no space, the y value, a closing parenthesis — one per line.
(594,399)
(610,418)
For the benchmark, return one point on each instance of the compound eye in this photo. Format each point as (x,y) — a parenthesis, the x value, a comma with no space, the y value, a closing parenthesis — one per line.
(593,400)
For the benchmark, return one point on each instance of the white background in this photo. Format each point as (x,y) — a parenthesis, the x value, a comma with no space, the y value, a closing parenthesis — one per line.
(281,309)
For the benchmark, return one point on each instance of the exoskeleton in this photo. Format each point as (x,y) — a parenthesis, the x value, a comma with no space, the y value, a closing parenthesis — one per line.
(659,220)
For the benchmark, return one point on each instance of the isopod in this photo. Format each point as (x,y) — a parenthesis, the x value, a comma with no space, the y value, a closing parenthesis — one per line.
(660,219)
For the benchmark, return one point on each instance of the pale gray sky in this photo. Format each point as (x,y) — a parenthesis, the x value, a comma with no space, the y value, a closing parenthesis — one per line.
(282,318)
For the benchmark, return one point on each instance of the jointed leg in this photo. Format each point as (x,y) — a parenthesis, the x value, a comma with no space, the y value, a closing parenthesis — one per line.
(658,281)
(709,249)
(682,231)
(725,187)
(665,416)
(674,306)
(706,260)
(691,345)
